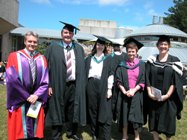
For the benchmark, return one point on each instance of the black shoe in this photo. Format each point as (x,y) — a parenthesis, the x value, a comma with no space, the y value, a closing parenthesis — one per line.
(94,138)
(74,137)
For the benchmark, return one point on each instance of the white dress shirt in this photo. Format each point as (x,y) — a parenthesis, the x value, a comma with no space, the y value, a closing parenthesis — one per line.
(96,69)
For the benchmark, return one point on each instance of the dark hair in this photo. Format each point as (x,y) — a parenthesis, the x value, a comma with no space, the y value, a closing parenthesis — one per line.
(116,48)
(94,50)
(132,45)
(164,39)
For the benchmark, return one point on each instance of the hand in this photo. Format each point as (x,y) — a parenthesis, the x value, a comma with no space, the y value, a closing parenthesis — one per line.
(131,92)
(124,92)
(109,93)
(163,98)
(122,89)
(32,98)
(153,97)
(50,91)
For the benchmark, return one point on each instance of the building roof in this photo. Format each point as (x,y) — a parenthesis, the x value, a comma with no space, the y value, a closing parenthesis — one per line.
(174,44)
(49,33)
(158,29)
(41,32)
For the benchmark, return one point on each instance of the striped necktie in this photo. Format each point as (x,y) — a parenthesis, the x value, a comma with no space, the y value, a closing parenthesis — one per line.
(68,63)
(33,67)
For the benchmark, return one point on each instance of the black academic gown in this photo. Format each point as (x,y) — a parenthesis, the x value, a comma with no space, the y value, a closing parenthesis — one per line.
(105,106)
(162,115)
(116,59)
(129,110)
(55,114)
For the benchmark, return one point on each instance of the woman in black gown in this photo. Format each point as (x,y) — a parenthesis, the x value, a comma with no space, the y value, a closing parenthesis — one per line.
(130,80)
(163,72)
(100,81)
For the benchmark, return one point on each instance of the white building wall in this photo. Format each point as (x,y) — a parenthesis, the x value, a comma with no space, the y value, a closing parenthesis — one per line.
(98,23)
(8,21)
(98,27)
(9,11)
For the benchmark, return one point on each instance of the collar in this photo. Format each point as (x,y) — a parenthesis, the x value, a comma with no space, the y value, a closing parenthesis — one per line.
(98,57)
(135,61)
(176,66)
(65,45)
(118,53)
(123,64)
(28,52)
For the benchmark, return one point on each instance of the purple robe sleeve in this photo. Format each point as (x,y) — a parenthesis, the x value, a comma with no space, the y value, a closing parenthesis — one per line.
(16,92)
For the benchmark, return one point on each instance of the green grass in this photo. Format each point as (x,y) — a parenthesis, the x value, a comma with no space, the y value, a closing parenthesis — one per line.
(3,113)
(181,133)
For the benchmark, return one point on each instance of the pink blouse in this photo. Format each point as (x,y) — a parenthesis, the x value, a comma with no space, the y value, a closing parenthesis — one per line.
(133,74)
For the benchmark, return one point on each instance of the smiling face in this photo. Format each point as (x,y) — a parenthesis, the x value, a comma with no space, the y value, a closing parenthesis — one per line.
(100,47)
(163,47)
(31,42)
(132,53)
(67,36)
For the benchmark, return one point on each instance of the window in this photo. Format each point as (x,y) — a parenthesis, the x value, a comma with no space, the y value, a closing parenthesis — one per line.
(14,44)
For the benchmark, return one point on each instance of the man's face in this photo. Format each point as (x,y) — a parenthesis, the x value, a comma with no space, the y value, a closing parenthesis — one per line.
(31,43)
(67,36)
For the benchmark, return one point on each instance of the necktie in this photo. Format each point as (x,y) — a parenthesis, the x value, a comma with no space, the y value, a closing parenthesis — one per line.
(68,63)
(33,67)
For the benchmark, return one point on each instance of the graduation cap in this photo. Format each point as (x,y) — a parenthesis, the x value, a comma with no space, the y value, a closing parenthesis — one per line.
(164,38)
(102,40)
(132,40)
(69,27)
(117,45)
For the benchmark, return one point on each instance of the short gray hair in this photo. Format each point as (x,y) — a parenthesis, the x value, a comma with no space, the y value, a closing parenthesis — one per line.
(31,33)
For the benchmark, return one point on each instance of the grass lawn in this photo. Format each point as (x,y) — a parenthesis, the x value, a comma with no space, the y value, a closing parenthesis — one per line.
(181,133)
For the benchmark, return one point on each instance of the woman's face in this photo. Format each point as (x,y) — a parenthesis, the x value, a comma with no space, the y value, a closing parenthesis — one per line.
(100,47)
(163,47)
(132,53)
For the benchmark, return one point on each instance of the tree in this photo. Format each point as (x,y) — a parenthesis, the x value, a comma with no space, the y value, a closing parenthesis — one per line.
(42,47)
(177,16)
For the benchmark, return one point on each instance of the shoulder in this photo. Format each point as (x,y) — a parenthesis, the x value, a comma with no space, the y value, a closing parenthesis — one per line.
(152,58)
(122,64)
(109,56)
(53,45)
(88,57)
(174,58)
(142,62)
(77,45)
(44,60)
(12,54)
